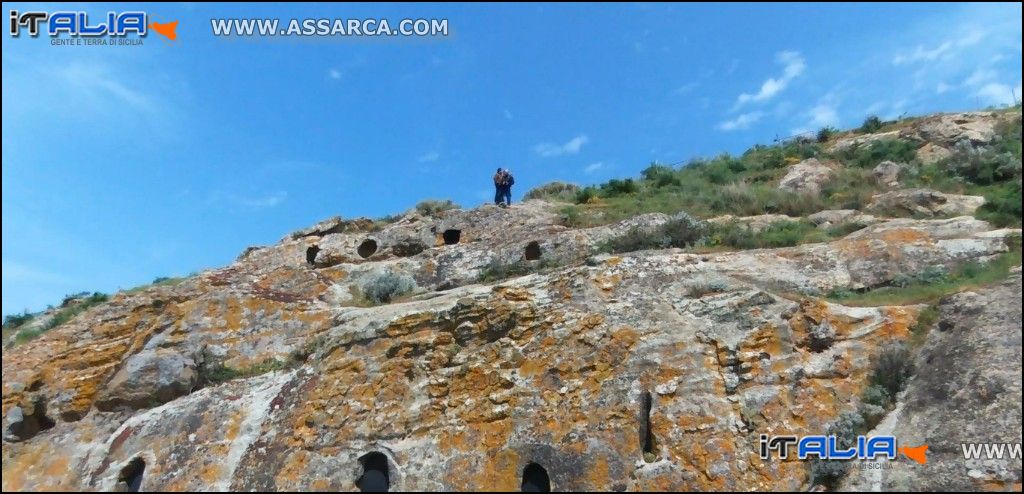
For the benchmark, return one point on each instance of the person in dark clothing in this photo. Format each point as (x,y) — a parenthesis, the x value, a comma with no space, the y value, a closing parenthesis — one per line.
(506,192)
(499,186)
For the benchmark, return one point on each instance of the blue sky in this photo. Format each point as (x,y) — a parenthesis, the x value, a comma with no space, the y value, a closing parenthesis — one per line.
(121,164)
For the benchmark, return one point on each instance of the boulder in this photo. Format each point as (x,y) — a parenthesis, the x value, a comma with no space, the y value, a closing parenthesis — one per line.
(932,153)
(924,202)
(149,378)
(887,173)
(807,177)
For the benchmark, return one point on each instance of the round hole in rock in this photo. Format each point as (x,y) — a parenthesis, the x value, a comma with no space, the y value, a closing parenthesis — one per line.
(535,479)
(367,248)
(375,473)
(131,475)
(311,253)
(451,236)
(532,251)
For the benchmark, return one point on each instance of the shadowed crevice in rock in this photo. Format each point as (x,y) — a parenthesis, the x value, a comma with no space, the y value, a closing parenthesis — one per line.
(451,236)
(535,479)
(311,253)
(646,436)
(367,248)
(130,478)
(375,473)
(532,251)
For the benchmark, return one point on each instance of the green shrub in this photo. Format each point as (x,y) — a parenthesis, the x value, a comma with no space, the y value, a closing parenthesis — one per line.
(777,234)
(586,195)
(893,368)
(845,428)
(498,270)
(12,321)
(431,207)
(219,373)
(680,231)
(871,124)
(383,287)
(875,152)
(616,187)
(1003,205)
(554,191)
(826,134)
(660,175)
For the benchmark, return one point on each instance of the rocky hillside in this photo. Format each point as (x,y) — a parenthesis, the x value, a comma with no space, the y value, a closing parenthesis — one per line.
(458,349)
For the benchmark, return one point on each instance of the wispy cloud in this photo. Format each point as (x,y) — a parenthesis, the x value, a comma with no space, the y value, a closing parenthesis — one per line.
(429,157)
(573,146)
(594,168)
(922,54)
(334,74)
(249,202)
(793,66)
(16,272)
(685,88)
(507,114)
(98,81)
(947,48)
(741,122)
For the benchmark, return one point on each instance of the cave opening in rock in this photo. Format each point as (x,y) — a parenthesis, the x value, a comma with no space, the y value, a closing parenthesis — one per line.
(367,248)
(532,251)
(535,479)
(131,475)
(375,473)
(29,425)
(646,436)
(311,253)
(451,236)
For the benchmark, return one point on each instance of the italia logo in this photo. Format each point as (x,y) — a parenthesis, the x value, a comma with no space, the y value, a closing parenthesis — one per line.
(78,24)
(827,448)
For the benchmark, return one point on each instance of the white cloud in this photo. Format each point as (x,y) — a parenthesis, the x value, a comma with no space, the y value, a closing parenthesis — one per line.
(824,115)
(942,87)
(571,147)
(334,74)
(793,64)
(995,93)
(741,122)
(429,157)
(594,167)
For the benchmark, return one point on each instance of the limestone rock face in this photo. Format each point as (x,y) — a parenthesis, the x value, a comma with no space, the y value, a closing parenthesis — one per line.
(924,202)
(654,370)
(807,177)
(967,391)
(834,217)
(949,129)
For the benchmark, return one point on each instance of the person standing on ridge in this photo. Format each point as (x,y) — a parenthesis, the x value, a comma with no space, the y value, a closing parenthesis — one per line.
(506,191)
(499,186)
